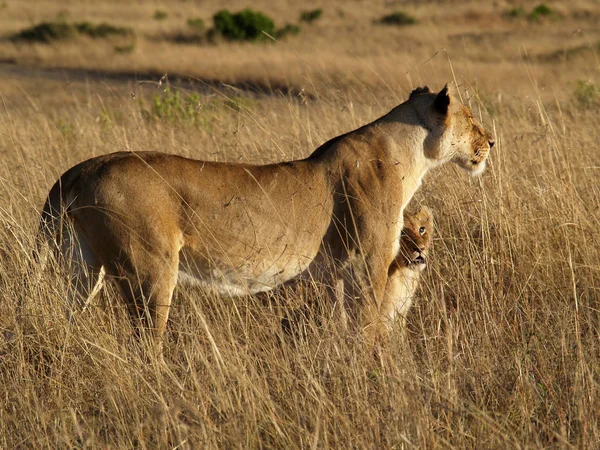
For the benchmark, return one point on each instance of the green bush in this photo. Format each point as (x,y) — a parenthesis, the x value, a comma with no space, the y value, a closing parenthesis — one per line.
(538,13)
(225,25)
(515,13)
(125,49)
(196,23)
(541,10)
(51,31)
(102,30)
(247,25)
(287,29)
(398,18)
(311,16)
(160,15)
(587,93)
(47,32)
(188,109)
(172,107)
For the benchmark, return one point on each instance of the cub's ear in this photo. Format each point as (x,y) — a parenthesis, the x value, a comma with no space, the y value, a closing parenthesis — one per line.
(426,213)
(442,101)
(419,91)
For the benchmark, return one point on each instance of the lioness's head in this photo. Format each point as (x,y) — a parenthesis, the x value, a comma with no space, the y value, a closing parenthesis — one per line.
(415,239)
(454,134)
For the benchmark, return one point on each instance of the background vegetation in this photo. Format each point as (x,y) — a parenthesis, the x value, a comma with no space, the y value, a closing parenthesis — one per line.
(502,347)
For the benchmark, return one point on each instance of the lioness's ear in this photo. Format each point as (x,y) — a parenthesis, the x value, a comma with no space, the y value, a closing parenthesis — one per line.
(442,101)
(419,91)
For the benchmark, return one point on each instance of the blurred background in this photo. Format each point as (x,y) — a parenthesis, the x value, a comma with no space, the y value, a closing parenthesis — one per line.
(303,45)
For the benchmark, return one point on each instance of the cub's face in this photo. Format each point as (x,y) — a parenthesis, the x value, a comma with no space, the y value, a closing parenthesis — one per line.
(415,239)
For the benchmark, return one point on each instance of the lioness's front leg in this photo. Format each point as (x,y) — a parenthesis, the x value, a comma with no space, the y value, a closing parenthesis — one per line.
(364,283)
(371,319)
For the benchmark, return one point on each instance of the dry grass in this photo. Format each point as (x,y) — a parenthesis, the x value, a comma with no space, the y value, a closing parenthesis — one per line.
(502,349)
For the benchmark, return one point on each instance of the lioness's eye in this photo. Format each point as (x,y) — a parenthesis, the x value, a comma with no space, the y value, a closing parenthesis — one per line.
(422,231)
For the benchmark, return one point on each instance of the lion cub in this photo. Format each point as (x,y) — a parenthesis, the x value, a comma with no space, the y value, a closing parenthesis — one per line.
(405,270)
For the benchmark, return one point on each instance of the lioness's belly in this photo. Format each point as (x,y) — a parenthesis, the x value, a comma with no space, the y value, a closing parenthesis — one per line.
(248,277)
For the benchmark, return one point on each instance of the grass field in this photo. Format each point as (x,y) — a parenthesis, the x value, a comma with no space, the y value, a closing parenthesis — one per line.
(503,344)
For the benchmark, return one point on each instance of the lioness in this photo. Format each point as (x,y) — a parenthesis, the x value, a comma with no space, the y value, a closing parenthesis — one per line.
(405,271)
(150,220)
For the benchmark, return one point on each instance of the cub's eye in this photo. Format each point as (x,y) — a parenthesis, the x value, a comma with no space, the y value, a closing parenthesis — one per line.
(422,231)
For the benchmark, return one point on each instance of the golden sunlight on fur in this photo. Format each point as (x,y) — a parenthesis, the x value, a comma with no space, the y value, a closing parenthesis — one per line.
(151,219)
(500,347)
(405,271)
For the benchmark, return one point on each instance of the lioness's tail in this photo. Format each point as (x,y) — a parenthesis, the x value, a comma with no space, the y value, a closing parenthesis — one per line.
(54,217)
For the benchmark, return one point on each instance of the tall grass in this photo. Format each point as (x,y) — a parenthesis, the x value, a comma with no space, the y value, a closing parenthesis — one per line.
(502,347)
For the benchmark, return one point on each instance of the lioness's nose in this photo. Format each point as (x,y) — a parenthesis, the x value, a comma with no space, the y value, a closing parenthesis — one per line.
(491,142)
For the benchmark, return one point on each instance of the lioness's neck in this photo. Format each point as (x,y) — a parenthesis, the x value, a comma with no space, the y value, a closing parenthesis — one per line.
(403,145)
(398,138)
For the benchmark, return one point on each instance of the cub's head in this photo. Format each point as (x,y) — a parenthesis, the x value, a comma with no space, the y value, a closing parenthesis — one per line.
(454,134)
(415,239)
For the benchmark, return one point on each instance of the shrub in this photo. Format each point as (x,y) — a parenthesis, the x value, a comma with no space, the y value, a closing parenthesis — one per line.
(587,93)
(160,15)
(47,32)
(171,107)
(311,16)
(50,31)
(515,13)
(102,30)
(225,25)
(398,18)
(125,49)
(287,29)
(538,13)
(196,23)
(541,10)
(188,109)
(247,25)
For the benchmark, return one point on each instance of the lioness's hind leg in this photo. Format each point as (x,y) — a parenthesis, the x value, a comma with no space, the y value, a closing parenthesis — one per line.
(148,291)
(335,288)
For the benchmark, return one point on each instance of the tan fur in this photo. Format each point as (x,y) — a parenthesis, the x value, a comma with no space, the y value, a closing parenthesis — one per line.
(405,271)
(151,219)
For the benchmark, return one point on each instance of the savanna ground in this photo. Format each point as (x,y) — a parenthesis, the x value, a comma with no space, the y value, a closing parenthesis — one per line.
(502,348)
